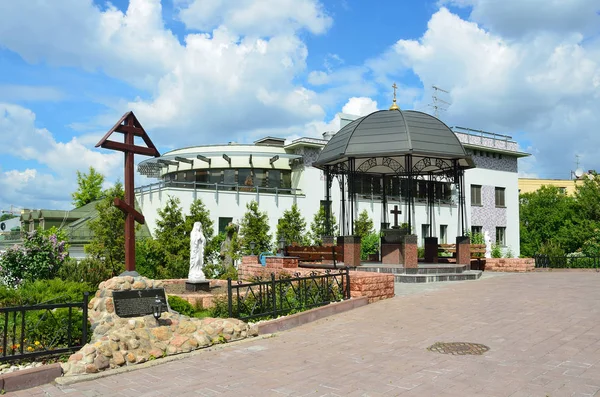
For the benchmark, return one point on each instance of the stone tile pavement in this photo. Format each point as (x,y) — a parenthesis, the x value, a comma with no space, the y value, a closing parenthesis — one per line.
(543,330)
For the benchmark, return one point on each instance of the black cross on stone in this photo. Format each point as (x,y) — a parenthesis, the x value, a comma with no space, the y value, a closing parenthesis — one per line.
(396,212)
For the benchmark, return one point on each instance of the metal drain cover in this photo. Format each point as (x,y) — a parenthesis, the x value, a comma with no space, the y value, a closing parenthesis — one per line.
(458,348)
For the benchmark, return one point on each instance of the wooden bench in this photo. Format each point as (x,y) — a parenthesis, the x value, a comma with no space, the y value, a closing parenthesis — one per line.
(316,253)
(477,250)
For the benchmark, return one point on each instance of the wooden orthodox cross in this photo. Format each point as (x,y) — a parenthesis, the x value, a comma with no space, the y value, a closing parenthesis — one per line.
(396,212)
(129,126)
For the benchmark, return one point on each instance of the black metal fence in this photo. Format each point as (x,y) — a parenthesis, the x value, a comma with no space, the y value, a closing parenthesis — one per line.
(567,262)
(43,330)
(284,295)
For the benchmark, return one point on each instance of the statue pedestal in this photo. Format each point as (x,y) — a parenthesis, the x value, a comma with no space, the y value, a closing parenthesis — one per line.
(195,286)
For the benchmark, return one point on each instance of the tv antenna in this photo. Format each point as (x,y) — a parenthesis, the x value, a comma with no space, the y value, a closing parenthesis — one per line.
(578,171)
(438,104)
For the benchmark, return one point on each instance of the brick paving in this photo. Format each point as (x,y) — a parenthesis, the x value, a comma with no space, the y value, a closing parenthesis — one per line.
(543,330)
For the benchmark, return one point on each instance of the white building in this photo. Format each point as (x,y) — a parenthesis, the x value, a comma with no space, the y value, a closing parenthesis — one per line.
(277,174)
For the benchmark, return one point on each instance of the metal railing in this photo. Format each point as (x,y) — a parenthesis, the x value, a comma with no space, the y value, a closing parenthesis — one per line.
(567,262)
(43,330)
(284,295)
(223,187)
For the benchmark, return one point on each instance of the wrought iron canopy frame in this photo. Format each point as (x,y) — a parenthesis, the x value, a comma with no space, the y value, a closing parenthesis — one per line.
(407,166)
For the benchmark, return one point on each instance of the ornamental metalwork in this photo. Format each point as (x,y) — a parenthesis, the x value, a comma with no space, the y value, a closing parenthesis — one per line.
(458,348)
(367,165)
(274,296)
(393,165)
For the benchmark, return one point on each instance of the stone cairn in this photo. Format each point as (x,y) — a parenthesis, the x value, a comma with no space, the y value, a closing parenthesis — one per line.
(117,341)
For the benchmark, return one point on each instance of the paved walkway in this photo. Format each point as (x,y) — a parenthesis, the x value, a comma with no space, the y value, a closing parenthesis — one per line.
(543,330)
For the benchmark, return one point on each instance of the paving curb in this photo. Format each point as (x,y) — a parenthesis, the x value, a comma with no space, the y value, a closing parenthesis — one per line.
(295,320)
(277,325)
(31,377)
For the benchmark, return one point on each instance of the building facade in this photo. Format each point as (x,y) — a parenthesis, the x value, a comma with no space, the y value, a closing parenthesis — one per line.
(277,174)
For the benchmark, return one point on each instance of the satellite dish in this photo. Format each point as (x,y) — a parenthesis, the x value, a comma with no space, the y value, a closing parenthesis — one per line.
(578,172)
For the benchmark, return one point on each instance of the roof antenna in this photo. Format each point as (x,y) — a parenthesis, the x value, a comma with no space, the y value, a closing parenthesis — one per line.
(438,103)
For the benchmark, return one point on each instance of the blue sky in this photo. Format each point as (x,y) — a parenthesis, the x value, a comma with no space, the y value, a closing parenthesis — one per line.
(210,71)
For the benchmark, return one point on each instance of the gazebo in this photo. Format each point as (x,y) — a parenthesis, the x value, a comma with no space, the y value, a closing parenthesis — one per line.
(394,149)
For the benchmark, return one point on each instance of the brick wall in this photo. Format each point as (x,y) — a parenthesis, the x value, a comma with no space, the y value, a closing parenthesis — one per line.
(375,286)
(509,265)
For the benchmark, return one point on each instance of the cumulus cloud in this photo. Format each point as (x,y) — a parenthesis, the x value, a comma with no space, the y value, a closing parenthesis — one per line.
(360,106)
(255,18)
(30,187)
(518,18)
(239,74)
(544,85)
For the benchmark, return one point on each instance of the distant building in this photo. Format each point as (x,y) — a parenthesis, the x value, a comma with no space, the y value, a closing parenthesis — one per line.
(74,222)
(567,186)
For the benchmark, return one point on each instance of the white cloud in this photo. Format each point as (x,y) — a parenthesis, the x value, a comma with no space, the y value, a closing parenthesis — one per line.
(215,86)
(544,86)
(255,18)
(33,188)
(360,106)
(518,18)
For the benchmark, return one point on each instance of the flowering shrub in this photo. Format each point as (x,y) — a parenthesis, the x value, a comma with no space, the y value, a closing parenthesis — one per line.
(40,257)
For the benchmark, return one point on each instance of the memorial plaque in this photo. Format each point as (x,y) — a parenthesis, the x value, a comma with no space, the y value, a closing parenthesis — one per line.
(137,303)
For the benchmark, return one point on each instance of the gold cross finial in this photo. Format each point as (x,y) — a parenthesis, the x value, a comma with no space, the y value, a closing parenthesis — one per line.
(394,105)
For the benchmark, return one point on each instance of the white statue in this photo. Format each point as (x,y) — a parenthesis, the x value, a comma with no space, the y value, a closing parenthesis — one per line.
(196,254)
(488,244)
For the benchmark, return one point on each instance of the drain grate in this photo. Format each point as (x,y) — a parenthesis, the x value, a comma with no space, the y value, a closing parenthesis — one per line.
(458,348)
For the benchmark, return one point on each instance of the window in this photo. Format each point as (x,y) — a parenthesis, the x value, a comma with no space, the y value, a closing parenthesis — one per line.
(274,178)
(475,194)
(229,177)
(500,202)
(215,176)
(424,233)
(223,222)
(202,176)
(501,235)
(260,178)
(443,234)
(286,181)
(476,229)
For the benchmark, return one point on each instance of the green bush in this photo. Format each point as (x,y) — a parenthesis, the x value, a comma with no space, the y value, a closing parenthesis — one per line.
(51,327)
(552,249)
(420,252)
(89,270)
(369,244)
(220,271)
(496,251)
(181,306)
(40,257)
(44,291)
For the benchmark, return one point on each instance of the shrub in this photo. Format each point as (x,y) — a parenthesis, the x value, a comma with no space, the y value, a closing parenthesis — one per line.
(496,251)
(89,270)
(220,271)
(369,245)
(420,252)
(44,291)
(552,249)
(181,306)
(40,257)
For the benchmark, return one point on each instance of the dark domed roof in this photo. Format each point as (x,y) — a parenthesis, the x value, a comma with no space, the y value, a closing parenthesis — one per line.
(394,133)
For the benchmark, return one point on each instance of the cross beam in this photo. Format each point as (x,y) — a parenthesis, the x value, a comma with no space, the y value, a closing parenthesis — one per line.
(129,126)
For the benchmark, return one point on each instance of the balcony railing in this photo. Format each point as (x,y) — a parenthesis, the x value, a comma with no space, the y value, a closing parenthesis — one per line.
(218,188)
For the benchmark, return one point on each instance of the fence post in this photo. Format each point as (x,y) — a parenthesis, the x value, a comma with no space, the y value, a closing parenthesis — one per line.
(22,330)
(347,282)
(274,294)
(229,298)
(84,328)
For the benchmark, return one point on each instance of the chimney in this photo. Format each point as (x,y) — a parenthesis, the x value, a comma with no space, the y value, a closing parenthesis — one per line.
(328,135)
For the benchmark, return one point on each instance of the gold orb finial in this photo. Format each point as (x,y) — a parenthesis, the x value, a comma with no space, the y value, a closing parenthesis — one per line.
(394,104)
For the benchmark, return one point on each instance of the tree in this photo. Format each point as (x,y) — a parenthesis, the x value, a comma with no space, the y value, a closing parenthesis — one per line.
(108,232)
(318,229)
(363,225)
(5,217)
(255,229)
(172,237)
(550,215)
(89,188)
(291,226)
